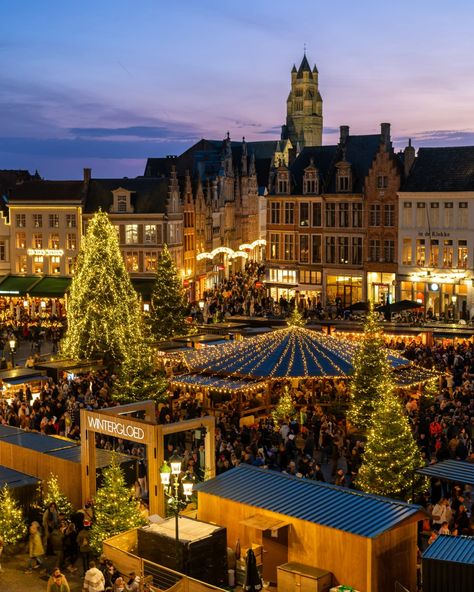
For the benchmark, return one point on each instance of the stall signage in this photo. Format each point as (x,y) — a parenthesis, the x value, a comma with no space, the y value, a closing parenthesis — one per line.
(46,252)
(109,426)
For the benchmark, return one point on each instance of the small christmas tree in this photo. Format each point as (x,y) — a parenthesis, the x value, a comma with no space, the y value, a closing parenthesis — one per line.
(168,303)
(12,523)
(52,493)
(296,318)
(114,509)
(372,374)
(284,409)
(391,455)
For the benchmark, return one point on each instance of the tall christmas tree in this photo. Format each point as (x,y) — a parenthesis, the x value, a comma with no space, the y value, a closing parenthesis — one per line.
(114,509)
(12,523)
(103,310)
(285,409)
(52,493)
(372,374)
(391,455)
(168,303)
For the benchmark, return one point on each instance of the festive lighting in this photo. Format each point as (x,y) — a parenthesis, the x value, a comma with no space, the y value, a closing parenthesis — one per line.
(50,492)
(261,242)
(114,509)
(226,250)
(12,522)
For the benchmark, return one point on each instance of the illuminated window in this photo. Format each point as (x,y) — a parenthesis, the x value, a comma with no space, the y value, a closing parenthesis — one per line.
(71,220)
(304,248)
(288,247)
(131,234)
(434,253)
(462,254)
(274,246)
(54,220)
(3,252)
(20,240)
(448,253)
(37,241)
(70,264)
(21,264)
(151,261)
(420,252)
(131,261)
(407,251)
(20,220)
(38,264)
(37,220)
(54,241)
(71,242)
(55,265)
(150,233)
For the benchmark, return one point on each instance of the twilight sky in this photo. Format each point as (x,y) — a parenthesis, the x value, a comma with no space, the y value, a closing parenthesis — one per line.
(107,83)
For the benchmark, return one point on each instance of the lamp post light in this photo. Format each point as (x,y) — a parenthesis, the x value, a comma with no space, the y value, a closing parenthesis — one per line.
(176,487)
(12,344)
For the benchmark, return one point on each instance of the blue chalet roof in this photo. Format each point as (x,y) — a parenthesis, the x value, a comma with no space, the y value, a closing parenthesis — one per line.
(15,478)
(457,471)
(292,352)
(328,505)
(457,549)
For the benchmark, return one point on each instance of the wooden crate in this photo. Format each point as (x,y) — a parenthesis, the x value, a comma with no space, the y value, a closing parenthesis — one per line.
(303,578)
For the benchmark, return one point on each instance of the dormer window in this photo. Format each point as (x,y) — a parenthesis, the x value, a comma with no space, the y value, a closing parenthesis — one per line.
(344,182)
(283,182)
(310,183)
(122,201)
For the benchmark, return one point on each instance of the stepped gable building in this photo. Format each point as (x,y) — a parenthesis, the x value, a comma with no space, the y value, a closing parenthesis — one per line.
(332,226)
(436,214)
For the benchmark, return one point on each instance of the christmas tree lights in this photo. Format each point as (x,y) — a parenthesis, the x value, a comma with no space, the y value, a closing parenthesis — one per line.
(114,509)
(391,455)
(12,523)
(372,374)
(168,309)
(103,308)
(50,493)
(285,408)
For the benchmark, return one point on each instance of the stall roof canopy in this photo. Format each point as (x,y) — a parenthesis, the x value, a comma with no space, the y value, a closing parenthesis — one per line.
(456,549)
(15,479)
(204,381)
(20,375)
(34,440)
(458,471)
(50,287)
(292,352)
(17,285)
(328,505)
(103,457)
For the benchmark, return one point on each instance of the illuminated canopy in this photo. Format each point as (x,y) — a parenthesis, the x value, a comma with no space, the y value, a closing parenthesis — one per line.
(261,242)
(226,250)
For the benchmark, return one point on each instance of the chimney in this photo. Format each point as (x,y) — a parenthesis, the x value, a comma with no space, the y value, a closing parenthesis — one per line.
(344,134)
(87,175)
(385,133)
(408,158)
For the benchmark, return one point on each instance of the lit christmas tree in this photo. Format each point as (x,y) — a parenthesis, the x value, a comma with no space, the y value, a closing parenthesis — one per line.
(51,493)
(295,319)
(391,455)
(372,374)
(103,308)
(285,409)
(114,509)
(168,309)
(12,523)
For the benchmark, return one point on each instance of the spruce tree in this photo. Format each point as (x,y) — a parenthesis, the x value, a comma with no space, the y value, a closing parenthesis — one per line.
(372,374)
(391,455)
(296,318)
(284,409)
(168,303)
(103,308)
(52,493)
(114,509)
(12,523)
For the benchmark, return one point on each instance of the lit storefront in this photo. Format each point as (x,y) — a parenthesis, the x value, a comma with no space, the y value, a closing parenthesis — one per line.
(282,282)
(347,289)
(381,287)
(443,295)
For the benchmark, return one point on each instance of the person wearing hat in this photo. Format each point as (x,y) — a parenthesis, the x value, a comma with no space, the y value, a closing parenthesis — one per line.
(57,582)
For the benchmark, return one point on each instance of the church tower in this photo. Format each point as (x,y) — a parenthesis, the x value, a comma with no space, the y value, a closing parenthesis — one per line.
(304,108)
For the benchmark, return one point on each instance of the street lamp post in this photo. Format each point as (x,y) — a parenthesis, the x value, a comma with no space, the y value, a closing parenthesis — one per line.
(12,343)
(172,483)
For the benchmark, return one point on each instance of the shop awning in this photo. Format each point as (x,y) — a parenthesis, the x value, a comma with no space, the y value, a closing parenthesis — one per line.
(144,287)
(50,287)
(456,471)
(20,375)
(214,382)
(17,285)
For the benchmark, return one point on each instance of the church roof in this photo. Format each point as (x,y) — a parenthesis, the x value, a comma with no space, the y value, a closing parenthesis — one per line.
(442,169)
(304,67)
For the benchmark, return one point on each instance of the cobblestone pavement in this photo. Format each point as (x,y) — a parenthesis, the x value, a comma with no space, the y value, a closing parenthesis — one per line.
(14,579)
